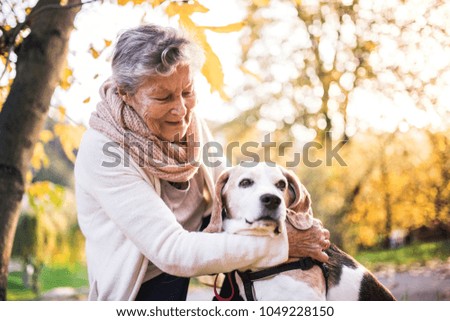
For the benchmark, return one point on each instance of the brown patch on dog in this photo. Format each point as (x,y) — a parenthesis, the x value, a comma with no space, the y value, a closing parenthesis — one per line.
(337,260)
(372,290)
(215,225)
(313,277)
(298,202)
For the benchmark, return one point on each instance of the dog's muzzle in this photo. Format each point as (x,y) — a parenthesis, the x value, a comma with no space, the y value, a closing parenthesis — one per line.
(267,221)
(270,201)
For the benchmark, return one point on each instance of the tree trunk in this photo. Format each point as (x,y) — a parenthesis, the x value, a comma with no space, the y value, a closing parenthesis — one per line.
(387,200)
(40,62)
(349,203)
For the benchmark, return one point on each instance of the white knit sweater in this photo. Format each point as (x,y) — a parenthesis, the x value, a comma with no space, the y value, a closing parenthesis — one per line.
(128,226)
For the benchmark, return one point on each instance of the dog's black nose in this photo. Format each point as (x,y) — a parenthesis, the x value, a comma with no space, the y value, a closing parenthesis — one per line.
(270,201)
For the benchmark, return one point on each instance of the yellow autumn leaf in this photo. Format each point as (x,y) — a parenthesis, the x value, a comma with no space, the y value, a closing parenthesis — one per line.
(298,2)
(46,192)
(124,2)
(4,91)
(70,137)
(367,235)
(370,45)
(45,136)
(261,3)
(173,9)
(39,189)
(156,3)
(87,100)
(212,68)
(442,146)
(228,28)
(94,52)
(19,40)
(185,9)
(61,113)
(66,79)
(28,10)
(108,43)
(28,176)
(63,2)
(248,72)
(39,157)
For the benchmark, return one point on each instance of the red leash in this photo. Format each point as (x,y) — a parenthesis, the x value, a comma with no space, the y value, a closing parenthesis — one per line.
(218,297)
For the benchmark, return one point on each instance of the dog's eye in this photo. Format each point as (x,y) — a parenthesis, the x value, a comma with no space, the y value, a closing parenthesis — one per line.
(246,182)
(281,185)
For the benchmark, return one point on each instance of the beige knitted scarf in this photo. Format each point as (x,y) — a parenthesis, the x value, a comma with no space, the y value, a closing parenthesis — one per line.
(173,162)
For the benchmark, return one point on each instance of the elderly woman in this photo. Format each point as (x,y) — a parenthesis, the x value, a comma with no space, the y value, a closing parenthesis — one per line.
(141,195)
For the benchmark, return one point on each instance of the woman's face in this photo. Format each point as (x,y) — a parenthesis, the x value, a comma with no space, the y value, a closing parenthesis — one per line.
(166,103)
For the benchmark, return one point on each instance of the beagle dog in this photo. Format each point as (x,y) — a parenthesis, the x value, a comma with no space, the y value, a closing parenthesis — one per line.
(260,199)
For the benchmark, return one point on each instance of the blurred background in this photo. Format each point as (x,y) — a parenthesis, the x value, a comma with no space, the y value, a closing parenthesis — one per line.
(367,79)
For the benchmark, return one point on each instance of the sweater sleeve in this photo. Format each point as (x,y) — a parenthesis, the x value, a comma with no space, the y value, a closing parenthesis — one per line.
(142,216)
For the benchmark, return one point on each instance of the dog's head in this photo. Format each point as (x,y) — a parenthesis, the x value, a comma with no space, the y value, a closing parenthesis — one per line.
(257,197)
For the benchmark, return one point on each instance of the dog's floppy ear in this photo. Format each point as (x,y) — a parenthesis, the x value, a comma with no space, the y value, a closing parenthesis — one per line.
(299,210)
(215,224)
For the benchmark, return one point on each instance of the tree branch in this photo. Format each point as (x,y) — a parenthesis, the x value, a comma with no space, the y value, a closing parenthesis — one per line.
(10,37)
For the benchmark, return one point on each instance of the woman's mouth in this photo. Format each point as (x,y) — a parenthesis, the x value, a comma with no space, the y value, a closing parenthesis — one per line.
(174,123)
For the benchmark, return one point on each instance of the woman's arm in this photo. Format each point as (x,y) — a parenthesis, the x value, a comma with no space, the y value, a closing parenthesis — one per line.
(142,216)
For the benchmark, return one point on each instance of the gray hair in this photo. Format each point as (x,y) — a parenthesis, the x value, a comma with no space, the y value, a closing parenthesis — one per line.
(151,50)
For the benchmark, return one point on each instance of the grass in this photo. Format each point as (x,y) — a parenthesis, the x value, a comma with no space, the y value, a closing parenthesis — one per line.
(418,253)
(16,289)
(51,277)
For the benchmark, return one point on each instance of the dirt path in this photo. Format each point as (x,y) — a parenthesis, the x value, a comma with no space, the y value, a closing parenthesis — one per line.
(429,283)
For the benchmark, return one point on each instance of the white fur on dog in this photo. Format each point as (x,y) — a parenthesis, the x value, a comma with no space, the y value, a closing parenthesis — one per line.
(348,288)
(282,288)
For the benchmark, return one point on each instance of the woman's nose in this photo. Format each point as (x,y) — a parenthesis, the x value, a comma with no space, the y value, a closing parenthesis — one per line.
(179,107)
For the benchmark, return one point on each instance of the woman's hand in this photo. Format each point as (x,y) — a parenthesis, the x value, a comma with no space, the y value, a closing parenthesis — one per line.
(310,242)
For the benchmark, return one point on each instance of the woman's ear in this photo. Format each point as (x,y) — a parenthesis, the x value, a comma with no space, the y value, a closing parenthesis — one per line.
(120,90)
(215,224)
(127,99)
(123,95)
(299,210)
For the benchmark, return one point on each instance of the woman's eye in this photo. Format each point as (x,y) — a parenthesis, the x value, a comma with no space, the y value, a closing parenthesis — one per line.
(281,185)
(246,182)
(166,98)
